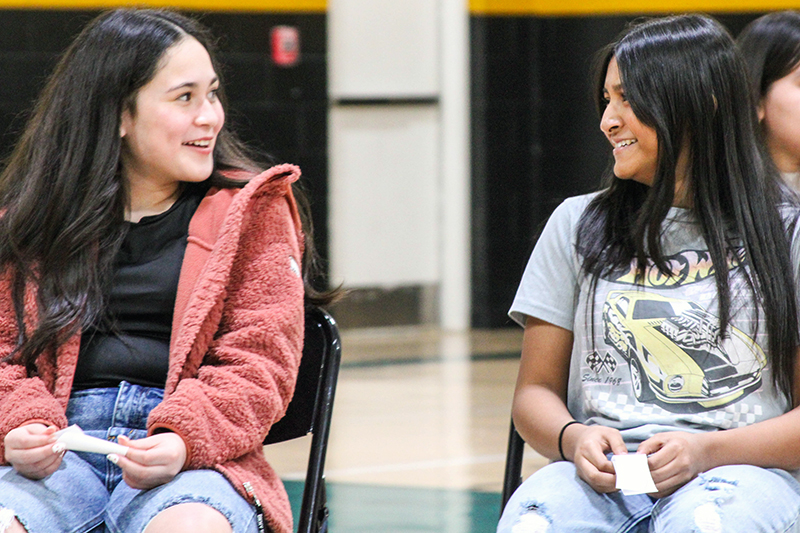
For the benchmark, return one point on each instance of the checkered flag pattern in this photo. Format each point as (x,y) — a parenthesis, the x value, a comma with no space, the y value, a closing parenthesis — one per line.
(626,408)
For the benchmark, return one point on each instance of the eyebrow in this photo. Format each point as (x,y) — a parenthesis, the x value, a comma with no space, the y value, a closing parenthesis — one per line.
(190,85)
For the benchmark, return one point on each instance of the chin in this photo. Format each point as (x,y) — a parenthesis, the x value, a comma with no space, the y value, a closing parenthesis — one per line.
(197,177)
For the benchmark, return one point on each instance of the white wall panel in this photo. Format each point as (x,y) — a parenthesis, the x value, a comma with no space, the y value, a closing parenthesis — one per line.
(384,214)
(383,48)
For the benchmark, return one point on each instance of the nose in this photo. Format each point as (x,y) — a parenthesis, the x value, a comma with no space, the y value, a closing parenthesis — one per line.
(610,120)
(209,114)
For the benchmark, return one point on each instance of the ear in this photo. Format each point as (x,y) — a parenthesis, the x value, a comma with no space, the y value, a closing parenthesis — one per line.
(760,111)
(124,123)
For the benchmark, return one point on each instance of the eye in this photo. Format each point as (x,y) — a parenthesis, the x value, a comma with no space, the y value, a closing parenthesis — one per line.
(213,94)
(185,97)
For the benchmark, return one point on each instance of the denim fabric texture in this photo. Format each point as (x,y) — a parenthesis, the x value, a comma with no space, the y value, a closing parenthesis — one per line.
(87,493)
(737,498)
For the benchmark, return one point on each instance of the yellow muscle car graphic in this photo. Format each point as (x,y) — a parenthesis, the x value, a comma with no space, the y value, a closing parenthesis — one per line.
(675,353)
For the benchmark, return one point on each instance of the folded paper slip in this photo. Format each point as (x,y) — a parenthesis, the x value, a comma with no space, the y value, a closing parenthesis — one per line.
(633,474)
(73,438)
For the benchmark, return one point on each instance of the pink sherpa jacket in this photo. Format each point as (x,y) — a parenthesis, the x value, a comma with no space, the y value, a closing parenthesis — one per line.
(236,340)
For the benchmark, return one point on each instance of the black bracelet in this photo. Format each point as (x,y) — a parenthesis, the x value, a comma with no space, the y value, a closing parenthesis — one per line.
(561,437)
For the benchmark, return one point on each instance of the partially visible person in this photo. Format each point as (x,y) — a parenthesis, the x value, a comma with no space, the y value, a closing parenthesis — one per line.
(151,292)
(660,313)
(771,48)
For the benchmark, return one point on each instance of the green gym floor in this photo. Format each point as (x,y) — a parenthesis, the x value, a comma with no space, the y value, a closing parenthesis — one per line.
(419,432)
(369,509)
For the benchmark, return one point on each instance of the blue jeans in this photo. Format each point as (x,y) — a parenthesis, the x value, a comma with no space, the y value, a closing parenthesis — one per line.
(737,498)
(86,492)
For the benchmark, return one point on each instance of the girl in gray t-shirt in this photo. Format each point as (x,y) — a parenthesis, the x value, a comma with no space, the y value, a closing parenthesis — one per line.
(660,314)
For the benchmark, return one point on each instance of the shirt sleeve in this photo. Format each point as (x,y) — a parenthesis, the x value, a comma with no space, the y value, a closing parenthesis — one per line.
(550,284)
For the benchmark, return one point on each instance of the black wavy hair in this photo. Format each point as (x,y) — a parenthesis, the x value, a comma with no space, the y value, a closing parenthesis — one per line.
(62,195)
(770,46)
(684,77)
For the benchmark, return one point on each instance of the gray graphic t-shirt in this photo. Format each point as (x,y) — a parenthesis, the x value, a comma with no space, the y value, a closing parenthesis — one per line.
(654,360)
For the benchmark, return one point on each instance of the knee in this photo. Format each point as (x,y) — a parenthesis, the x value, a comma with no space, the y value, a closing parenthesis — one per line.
(9,522)
(15,527)
(740,497)
(189,518)
(529,510)
(532,519)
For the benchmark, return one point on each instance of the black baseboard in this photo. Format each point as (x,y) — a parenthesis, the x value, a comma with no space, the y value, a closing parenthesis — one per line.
(382,307)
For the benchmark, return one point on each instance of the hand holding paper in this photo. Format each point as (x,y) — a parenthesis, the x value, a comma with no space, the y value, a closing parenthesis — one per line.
(73,438)
(633,474)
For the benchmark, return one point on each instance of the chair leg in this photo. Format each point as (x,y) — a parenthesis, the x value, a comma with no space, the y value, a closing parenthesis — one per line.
(322,514)
(513,474)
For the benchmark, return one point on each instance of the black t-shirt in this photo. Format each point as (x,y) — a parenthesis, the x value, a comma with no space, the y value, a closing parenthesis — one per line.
(132,342)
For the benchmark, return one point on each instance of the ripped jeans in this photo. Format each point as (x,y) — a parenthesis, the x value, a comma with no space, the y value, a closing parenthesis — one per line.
(728,499)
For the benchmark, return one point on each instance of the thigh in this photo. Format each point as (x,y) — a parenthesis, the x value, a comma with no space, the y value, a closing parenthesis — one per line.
(732,498)
(53,505)
(130,510)
(555,499)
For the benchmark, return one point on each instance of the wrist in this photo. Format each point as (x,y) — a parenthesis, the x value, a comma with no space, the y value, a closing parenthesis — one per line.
(710,456)
(564,452)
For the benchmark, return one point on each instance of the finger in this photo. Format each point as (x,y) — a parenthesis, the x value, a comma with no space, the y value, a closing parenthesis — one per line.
(146,458)
(140,451)
(672,483)
(133,473)
(126,463)
(663,474)
(662,457)
(33,455)
(39,429)
(600,481)
(677,468)
(49,465)
(616,444)
(651,445)
(140,477)
(24,440)
(40,469)
(598,459)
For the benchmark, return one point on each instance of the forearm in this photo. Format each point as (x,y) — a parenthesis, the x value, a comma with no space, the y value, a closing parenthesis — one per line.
(539,415)
(773,443)
(540,410)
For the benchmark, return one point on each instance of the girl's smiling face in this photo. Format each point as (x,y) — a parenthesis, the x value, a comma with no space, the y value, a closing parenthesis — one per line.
(779,111)
(635,144)
(169,135)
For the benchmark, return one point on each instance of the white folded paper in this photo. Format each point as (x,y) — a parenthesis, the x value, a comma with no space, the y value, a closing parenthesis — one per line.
(73,438)
(633,474)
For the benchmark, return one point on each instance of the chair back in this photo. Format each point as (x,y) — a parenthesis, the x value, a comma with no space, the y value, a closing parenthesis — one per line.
(321,356)
(310,411)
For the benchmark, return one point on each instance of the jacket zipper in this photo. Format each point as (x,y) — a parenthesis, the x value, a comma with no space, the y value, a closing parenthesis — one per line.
(259,510)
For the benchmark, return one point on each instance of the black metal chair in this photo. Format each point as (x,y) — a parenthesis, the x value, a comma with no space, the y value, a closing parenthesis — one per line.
(310,412)
(513,475)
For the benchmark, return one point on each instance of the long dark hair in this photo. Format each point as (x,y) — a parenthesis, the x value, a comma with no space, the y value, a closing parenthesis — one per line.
(770,46)
(684,77)
(62,195)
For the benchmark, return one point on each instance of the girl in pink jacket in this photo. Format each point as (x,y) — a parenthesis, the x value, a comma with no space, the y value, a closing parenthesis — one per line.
(151,293)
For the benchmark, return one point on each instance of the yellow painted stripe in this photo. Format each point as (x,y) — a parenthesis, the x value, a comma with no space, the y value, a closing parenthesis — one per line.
(293,6)
(593,7)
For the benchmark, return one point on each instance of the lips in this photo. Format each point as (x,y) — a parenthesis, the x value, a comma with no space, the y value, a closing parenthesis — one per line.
(199,143)
(623,144)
